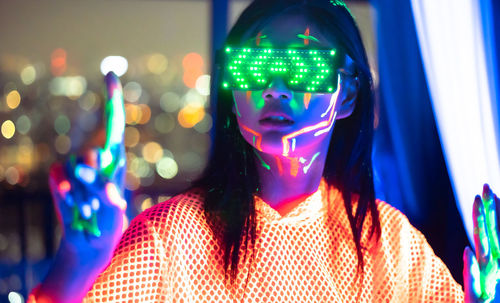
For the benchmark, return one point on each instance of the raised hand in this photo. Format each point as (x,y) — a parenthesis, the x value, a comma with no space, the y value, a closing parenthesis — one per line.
(481,269)
(88,197)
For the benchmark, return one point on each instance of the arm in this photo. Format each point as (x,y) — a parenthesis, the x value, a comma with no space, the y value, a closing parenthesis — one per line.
(87,195)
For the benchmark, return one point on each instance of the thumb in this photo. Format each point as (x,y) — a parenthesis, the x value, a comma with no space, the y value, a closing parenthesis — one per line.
(471,275)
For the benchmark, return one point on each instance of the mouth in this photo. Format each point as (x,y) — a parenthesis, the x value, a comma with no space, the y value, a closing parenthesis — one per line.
(276,120)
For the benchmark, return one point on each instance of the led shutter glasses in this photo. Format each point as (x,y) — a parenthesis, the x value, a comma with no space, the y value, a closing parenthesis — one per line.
(304,70)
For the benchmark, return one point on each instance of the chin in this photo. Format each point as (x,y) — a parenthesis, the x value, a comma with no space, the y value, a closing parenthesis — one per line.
(273,144)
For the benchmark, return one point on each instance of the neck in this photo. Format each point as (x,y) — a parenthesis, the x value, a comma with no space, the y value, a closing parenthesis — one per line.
(287,181)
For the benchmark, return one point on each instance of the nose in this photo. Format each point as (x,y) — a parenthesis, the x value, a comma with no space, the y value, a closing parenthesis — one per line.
(277,90)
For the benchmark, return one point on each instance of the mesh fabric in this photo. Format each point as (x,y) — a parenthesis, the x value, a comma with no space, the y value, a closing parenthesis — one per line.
(169,254)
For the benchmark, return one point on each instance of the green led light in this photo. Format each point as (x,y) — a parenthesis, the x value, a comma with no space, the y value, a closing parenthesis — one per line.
(255,66)
(228,49)
(225,84)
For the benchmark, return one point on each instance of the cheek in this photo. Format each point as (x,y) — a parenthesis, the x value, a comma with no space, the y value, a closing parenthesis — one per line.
(247,104)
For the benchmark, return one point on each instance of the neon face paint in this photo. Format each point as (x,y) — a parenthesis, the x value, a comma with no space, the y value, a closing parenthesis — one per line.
(256,134)
(305,169)
(280,166)
(327,124)
(294,166)
(262,162)
(307,99)
(306,36)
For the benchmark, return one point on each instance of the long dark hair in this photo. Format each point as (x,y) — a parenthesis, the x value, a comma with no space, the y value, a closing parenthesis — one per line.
(231,177)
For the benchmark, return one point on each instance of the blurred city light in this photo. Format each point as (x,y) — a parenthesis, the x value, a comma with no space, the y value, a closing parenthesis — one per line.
(190,115)
(15,297)
(193,69)
(72,87)
(116,64)
(203,85)
(8,129)
(23,124)
(13,99)
(157,63)
(170,102)
(58,62)
(152,152)
(167,168)
(28,75)
(132,91)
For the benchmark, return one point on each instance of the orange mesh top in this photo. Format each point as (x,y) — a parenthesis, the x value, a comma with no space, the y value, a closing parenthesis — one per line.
(168,254)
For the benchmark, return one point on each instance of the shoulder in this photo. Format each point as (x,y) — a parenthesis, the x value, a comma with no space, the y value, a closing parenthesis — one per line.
(395,226)
(184,209)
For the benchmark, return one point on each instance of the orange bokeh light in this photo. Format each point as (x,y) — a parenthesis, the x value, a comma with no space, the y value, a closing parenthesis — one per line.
(190,115)
(192,61)
(58,62)
(190,77)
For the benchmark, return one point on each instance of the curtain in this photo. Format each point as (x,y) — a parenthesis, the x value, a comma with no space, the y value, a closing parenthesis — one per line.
(455,38)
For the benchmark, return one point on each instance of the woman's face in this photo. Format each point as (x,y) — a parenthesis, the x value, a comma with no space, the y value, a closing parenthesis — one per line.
(277,120)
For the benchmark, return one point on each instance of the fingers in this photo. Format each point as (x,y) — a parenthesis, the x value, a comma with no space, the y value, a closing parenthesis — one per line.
(486,241)
(113,152)
(491,221)
(114,196)
(480,233)
(471,275)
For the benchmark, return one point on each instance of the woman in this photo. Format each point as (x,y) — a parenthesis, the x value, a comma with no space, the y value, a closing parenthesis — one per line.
(286,210)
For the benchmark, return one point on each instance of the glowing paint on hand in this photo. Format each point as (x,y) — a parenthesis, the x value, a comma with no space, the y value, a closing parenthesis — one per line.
(112,152)
(85,173)
(115,197)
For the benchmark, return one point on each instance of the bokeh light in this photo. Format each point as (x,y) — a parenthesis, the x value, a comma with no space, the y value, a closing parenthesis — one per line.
(204,125)
(193,69)
(132,136)
(164,123)
(58,62)
(152,152)
(167,168)
(132,91)
(15,297)
(157,63)
(132,182)
(28,75)
(89,101)
(13,99)
(116,64)
(62,124)
(23,124)
(12,175)
(190,114)
(140,167)
(170,102)
(8,129)
(192,61)
(203,85)
(145,114)
(62,144)
(72,87)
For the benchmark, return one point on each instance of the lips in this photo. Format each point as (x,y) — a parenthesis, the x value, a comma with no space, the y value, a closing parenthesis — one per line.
(276,119)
